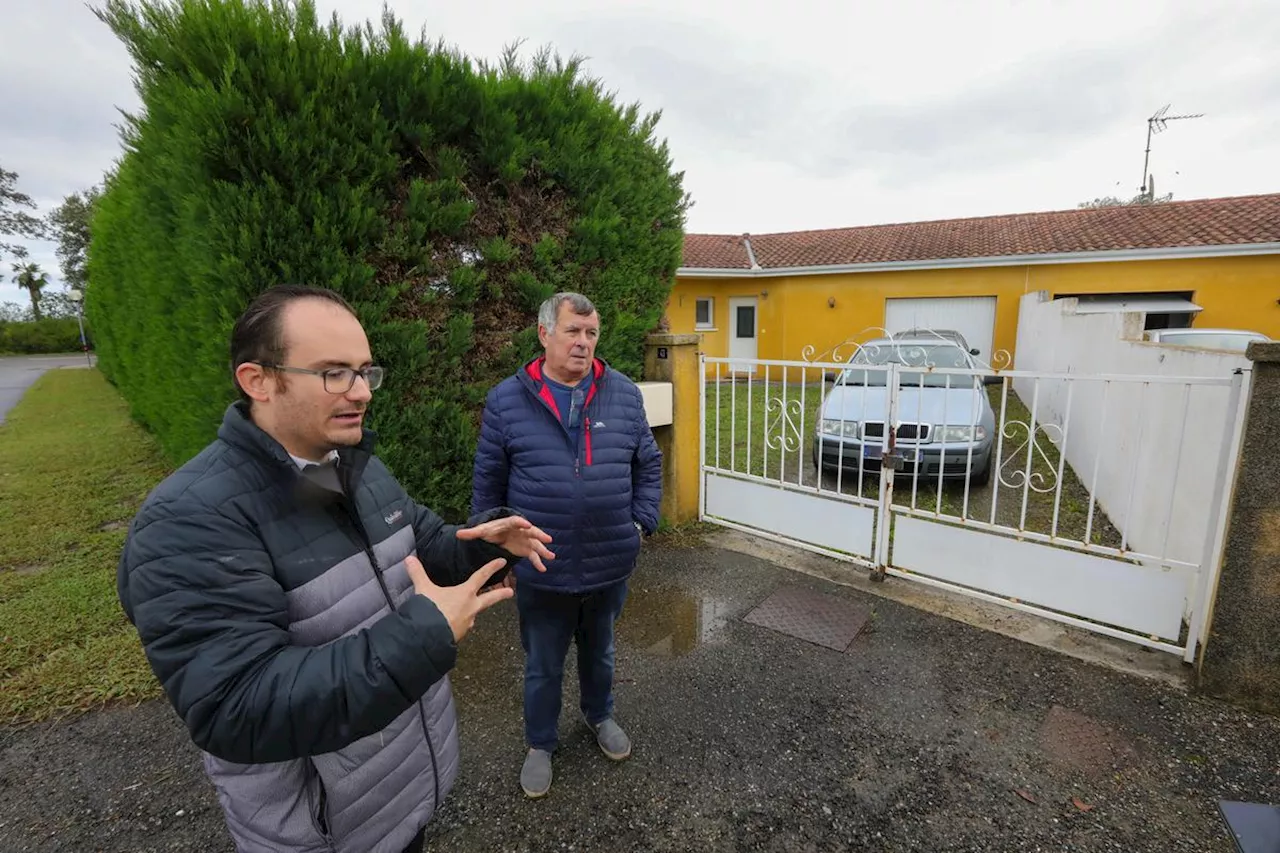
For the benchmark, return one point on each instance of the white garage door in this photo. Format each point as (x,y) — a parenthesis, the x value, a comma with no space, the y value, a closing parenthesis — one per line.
(972,316)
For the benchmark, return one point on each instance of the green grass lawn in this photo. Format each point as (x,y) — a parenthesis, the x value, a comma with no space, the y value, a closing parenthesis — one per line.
(74,468)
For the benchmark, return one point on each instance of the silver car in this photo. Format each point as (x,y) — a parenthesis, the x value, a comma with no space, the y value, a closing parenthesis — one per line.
(941,430)
(937,334)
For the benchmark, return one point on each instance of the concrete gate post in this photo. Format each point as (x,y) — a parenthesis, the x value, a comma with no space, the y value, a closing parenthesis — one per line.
(674,359)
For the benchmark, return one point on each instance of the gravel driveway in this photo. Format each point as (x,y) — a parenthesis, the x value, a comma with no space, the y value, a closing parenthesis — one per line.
(923,734)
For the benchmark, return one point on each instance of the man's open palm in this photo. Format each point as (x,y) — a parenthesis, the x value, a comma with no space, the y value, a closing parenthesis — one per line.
(515,535)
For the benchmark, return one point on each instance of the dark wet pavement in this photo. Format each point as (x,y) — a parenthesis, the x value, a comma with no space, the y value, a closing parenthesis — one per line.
(924,734)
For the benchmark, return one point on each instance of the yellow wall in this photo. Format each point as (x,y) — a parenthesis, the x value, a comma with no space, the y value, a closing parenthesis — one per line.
(769,314)
(1236,293)
(1239,293)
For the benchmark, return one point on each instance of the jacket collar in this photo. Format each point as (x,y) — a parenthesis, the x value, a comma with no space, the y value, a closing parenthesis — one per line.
(534,370)
(239,431)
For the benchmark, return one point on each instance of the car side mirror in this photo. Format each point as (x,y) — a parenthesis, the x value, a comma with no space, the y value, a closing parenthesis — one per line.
(975,351)
(828,376)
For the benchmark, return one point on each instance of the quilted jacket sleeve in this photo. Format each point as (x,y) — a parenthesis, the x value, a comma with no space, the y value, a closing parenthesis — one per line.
(489,477)
(646,475)
(213,623)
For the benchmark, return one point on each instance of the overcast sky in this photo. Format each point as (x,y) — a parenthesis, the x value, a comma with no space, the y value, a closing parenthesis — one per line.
(790,115)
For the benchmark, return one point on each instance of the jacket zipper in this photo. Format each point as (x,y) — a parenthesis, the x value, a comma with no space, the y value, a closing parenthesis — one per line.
(548,402)
(577,447)
(577,450)
(377,571)
(368,552)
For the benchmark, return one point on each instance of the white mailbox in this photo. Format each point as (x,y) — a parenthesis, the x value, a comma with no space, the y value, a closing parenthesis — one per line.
(657,402)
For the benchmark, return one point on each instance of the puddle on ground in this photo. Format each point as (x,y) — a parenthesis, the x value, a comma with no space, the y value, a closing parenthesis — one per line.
(659,620)
(670,622)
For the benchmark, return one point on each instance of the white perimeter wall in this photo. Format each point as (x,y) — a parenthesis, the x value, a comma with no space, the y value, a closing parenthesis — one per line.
(1144,424)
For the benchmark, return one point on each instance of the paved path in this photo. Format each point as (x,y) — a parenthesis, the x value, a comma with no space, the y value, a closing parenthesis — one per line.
(17,373)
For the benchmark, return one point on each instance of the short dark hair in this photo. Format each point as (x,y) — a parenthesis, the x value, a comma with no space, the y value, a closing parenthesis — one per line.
(257,336)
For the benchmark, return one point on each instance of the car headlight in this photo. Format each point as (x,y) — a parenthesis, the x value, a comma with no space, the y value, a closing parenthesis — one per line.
(847,429)
(961,434)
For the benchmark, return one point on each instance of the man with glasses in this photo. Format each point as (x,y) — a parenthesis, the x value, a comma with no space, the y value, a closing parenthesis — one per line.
(565,441)
(300,610)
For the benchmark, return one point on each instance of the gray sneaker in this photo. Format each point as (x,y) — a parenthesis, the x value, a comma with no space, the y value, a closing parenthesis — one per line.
(535,776)
(612,739)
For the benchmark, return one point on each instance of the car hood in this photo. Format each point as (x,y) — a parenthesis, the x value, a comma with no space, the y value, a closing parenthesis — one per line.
(955,406)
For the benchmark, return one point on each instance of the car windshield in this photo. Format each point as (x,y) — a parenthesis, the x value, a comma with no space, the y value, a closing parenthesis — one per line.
(933,337)
(909,354)
(1231,341)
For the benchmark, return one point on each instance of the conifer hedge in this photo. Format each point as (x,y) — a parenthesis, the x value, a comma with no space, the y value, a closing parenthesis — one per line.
(443,197)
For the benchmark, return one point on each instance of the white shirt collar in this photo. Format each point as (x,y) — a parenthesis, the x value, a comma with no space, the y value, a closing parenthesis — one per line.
(303,463)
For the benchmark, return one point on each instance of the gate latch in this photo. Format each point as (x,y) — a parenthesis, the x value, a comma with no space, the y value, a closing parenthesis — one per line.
(892,460)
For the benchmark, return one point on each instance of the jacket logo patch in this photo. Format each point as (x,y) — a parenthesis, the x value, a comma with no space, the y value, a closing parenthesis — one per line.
(597,424)
(394,517)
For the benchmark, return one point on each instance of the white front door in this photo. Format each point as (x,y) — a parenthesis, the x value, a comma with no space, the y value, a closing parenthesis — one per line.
(742,332)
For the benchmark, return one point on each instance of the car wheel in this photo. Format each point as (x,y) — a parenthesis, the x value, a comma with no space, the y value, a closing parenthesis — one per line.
(983,477)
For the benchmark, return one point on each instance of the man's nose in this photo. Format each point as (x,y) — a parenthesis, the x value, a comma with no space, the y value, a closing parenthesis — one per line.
(360,391)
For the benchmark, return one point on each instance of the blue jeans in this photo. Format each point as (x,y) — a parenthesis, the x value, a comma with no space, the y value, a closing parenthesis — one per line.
(548,621)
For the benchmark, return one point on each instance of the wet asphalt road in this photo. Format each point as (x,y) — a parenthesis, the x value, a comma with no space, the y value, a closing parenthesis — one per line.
(18,373)
(925,734)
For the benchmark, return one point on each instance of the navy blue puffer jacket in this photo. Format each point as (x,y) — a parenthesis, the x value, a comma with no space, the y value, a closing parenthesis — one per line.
(587,493)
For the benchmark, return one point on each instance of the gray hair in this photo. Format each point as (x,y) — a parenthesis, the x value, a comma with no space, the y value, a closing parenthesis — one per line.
(550,310)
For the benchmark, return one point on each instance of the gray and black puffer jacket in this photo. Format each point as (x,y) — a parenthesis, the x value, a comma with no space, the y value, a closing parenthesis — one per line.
(276,610)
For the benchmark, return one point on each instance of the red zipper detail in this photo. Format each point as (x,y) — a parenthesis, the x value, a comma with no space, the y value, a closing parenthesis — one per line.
(586,421)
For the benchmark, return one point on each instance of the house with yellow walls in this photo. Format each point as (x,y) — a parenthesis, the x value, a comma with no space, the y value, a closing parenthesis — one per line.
(1212,263)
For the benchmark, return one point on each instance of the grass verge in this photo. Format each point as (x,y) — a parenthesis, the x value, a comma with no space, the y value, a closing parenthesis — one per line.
(691,534)
(74,468)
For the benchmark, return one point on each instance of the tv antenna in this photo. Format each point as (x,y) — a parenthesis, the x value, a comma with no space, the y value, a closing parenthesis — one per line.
(1158,123)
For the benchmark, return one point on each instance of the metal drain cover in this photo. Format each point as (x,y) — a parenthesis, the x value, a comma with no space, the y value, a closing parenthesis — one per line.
(825,620)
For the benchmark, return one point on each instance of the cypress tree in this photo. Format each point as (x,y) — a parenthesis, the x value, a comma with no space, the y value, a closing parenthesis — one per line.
(444,198)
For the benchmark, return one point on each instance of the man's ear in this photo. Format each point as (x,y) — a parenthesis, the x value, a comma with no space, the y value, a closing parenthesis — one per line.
(543,334)
(255,381)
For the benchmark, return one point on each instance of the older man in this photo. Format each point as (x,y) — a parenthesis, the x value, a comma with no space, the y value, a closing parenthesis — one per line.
(302,611)
(565,442)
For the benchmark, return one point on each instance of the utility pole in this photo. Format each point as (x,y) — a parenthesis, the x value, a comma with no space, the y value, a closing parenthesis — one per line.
(1157,124)
(77,296)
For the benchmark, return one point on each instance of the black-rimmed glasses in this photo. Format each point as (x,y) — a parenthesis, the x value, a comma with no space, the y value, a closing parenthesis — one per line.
(338,380)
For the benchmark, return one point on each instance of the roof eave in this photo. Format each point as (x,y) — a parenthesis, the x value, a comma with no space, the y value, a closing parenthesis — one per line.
(1155,254)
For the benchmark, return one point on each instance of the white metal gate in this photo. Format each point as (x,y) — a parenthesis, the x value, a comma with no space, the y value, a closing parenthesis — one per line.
(1094,500)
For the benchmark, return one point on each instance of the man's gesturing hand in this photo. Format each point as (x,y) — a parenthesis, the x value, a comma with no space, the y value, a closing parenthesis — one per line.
(516,535)
(462,603)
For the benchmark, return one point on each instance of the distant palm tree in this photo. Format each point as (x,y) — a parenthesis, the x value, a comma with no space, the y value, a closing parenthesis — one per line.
(30,277)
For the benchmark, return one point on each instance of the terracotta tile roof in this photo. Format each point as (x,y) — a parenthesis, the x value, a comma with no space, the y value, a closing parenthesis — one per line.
(1205,222)
(715,251)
